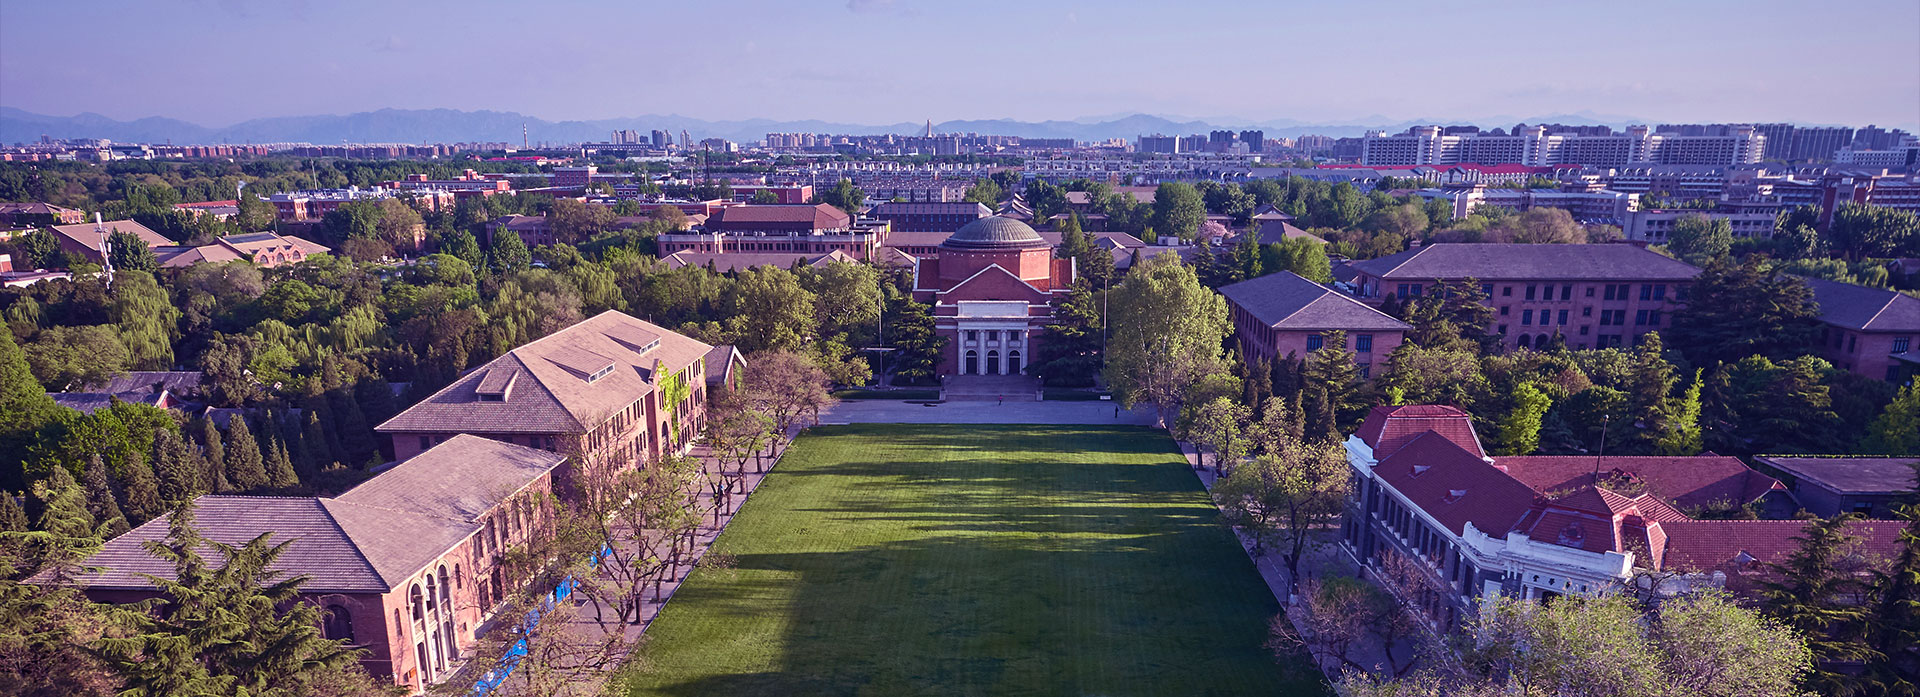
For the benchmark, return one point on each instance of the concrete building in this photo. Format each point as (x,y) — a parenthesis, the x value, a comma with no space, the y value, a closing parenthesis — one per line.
(1828,485)
(930,217)
(469,184)
(84,241)
(1476,527)
(31,214)
(572,177)
(787,229)
(1431,145)
(1595,295)
(992,284)
(1869,331)
(1654,226)
(408,566)
(1283,315)
(613,391)
(311,206)
(264,249)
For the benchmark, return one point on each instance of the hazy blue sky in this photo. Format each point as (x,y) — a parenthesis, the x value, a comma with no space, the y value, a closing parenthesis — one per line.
(217,62)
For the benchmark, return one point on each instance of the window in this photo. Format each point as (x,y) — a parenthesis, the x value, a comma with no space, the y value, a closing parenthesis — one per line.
(1506,291)
(1660,291)
(1566,292)
(1366,371)
(1586,312)
(993,335)
(1363,343)
(1653,317)
(1853,343)
(1646,291)
(973,335)
(1584,329)
(1609,295)
(1314,342)
(1640,318)
(1589,291)
(1503,310)
(1563,317)
(339,624)
(1526,317)
(425,443)
(1486,289)
(1503,329)
(1530,291)
(1901,343)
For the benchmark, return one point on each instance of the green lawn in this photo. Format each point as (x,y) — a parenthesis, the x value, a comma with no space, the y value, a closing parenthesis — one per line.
(891,560)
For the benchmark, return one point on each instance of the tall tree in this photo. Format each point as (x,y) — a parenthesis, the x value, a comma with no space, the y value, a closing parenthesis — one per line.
(1178,210)
(1683,432)
(1331,376)
(1220,426)
(1756,405)
(1894,627)
(140,490)
(1520,428)
(771,311)
(246,469)
(1071,354)
(146,318)
(1818,593)
(1283,498)
(25,409)
(1745,309)
(100,501)
(509,253)
(1167,332)
(1897,430)
(844,196)
(916,344)
(1861,231)
(178,469)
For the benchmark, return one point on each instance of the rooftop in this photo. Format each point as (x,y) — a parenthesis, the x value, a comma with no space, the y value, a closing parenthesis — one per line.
(1863,308)
(1285,300)
(1849,475)
(1689,482)
(1500,261)
(995,232)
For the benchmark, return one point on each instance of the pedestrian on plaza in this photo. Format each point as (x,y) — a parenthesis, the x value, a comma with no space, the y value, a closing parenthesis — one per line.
(1002,402)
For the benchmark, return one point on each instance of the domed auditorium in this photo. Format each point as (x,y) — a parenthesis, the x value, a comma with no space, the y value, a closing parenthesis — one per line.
(992,284)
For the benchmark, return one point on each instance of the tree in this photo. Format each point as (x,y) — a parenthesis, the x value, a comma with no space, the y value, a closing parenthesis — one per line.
(1818,593)
(1745,309)
(1520,429)
(1339,615)
(231,628)
(770,310)
(1701,644)
(846,298)
(784,386)
(1861,231)
(100,501)
(69,358)
(461,245)
(1071,355)
(1897,430)
(1305,258)
(245,467)
(146,318)
(1167,331)
(1178,210)
(1333,383)
(178,469)
(1220,427)
(844,196)
(224,367)
(1683,433)
(254,214)
(1538,226)
(916,344)
(1756,405)
(65,530)
(509,253)
(736,431)
(1894,628)
(1284,497)
(141,500)
(1697,240)
(128,252)
(984,191)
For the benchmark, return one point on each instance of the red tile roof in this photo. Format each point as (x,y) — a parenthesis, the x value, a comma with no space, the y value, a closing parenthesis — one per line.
(1689,482)
(818,216)
(1705,545)
(1387,428)
(1454,485)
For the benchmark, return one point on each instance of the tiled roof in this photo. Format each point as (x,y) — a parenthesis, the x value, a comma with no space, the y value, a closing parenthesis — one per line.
(369,539)
(1850,475)
(183,257)
(819,216)
(1285,300)
(916,238)
(552,394)
(176,381)
(1863,308)
(1704,545)
(84,234)
(1490,261)
(90,402)
(932,208)
(1388,429)
(1455,486)
(1689,482)
(721,361)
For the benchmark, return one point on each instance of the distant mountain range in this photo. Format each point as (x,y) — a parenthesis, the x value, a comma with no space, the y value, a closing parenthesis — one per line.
(451,126)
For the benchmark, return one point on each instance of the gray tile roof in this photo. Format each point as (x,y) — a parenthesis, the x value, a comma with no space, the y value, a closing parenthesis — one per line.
(369,539)
(175,381)
(1863,308)
(1491,261)
(1850,475)
(552,392)
(1285,300)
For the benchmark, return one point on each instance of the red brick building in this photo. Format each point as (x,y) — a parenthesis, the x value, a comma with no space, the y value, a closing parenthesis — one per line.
(83,240)
(798,230)
(1869,331)
(407,565)
(613,391)
(1595,295)
(1282,315)
(992,284)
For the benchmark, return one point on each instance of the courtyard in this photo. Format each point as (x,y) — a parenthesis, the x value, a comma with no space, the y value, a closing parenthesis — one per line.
(895,559)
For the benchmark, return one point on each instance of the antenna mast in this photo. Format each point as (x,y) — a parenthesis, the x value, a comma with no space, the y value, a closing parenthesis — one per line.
(106,249)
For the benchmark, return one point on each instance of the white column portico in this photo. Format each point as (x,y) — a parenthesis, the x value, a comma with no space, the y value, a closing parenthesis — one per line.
(992,337)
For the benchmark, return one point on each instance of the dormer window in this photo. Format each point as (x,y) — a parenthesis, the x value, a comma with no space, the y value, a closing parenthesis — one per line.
(484,397)
(601,373)
(1420,469)
(495,385)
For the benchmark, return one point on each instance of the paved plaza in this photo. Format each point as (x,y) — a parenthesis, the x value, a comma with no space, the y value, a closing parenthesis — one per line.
(986,412)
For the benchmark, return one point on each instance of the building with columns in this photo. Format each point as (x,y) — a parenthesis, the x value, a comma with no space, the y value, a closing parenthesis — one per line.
(992,284)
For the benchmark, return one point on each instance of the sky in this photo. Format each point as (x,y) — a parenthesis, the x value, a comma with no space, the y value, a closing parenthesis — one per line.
(219,62)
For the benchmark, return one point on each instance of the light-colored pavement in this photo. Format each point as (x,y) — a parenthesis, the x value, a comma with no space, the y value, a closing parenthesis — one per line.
(986,412)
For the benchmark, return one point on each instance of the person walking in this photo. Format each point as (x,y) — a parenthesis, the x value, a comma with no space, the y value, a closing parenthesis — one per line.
(1002,402)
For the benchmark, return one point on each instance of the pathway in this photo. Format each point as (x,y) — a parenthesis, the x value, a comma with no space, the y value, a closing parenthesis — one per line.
(985,412)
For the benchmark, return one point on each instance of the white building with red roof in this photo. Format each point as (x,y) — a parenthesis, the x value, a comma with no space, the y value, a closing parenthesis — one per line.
(1479,526)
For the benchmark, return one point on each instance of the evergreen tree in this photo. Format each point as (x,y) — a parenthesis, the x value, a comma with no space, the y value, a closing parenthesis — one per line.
(13,518)
(1745,309)
(13,522)
(375,399)
(209,437)
(1333,377)
(1895,625)
(1648,386)
(246,469)
(509,253)
(25,408)
(177,469)
(146,318)
(280,472)
(100,501)
(140,491)
(1071,354)
(1682,435)
(64,533)
(321,432)
(916,344)
(230,627)
(357,442)
(1815,594)
(1520,430)
(319,457)
(1897,430)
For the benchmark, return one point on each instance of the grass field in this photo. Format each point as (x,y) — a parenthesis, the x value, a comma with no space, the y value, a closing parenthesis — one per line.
(892,560)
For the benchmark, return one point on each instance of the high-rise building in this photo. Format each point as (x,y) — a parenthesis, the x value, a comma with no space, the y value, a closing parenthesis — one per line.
(1159,144)
(1535,146)
(1818,144)
(1256,140)
(662,139)
(1779,140)
(1220,141)
(1876,138)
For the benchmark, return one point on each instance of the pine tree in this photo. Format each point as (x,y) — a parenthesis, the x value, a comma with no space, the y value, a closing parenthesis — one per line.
(64,534)
(357,441)
(244,465)
(213,473)
(1823,601)
(13,519)
(24,409)
(209,441)
(1334,377)
(1897,430)
(177,468)
(280,472)
(375,398)
(228,627)
(325,440)
(1683,436)
(1895,626)
(318,452)
(140,491)
(100,500)
(1520,430)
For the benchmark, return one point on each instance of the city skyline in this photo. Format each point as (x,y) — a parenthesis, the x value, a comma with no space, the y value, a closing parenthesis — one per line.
(220,63)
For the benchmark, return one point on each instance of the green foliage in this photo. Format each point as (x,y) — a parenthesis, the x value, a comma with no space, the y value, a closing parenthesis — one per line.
(1745,309)
(1071,355)
(1334,390)
(1860,230)
(1697,240)
(844,196)
(1167,332)
(130,253)
(1757,405)
(1304,257)
(69,358)
(916,345)
(1683,434)
(146,318)
(245,467)
(1817,592)
(1178,210)
(1897,430)
(509,253)
(770,310)
(1520,429)
(984,191)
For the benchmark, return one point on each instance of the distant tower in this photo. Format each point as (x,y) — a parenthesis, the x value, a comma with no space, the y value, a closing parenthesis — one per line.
(686,141)
(929,128)
(106,249)
(523,135)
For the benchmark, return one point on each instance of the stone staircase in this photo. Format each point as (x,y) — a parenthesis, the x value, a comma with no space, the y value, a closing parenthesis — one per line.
(990,388)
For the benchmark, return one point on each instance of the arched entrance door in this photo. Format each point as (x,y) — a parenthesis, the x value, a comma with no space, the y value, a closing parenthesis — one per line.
(972,365)
(1013,363)
(993,363)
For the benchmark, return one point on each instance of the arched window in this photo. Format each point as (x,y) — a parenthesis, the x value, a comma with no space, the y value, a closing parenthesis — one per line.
(972,365)
(1524,339)
(1013,361)
(993,362)
(433,597)
(339,624)
(446,595)
(419,604)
